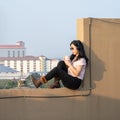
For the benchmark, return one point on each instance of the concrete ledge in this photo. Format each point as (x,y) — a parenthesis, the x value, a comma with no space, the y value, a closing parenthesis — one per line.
(34,92)
(42,104)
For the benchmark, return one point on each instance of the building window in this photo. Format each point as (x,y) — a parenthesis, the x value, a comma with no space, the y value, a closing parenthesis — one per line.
(23,53)
(21,67)
(8,53)
(8,64)
(15,65)
(28,71)
(13,53)
(28,64)
(34,65)
(18,53)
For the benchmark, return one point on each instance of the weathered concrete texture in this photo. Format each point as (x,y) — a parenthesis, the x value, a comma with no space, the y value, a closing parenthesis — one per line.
(35,104)
(40,106)
(24,92)
(101,38)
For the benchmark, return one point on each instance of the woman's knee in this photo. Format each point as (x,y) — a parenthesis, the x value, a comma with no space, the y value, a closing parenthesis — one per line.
(61,63)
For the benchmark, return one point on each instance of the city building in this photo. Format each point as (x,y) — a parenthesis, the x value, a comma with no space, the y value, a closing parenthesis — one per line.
(29,64)
(17,50)
(13,56)
(51,63)
(42,63)
(23,64)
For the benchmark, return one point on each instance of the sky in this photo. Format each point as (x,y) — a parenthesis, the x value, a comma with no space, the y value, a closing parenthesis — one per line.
(48,26)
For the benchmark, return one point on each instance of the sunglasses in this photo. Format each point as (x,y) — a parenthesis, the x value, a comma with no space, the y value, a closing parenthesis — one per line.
(71,48)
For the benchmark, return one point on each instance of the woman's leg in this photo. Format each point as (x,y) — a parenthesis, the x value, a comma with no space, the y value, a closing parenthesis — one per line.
(68,80)
(43,79)
(54,72)
(61,72)
(56,83)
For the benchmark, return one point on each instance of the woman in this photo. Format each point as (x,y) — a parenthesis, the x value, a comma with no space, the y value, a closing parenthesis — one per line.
(70,71)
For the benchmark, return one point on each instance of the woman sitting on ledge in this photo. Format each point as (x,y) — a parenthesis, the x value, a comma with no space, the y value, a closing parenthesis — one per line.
(70,71)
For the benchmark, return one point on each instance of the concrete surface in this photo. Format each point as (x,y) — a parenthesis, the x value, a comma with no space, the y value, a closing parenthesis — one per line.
(101,38)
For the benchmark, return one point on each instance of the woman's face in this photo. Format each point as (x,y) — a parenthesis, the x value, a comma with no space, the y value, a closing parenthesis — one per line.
(74,49)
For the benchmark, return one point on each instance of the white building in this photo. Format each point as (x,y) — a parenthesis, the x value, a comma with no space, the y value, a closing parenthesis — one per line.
(51,63)
(29,64)
(42,63)
(13,56)
(23,64)
(17,50)
(54,63)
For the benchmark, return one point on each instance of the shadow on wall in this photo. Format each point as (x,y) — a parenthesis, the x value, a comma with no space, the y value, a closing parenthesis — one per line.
(95,69)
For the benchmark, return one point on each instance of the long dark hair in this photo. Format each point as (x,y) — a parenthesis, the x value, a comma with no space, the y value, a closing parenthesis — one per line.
(81,50)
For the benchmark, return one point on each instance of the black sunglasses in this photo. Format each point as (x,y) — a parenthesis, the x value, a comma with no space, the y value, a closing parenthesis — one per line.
(71,48)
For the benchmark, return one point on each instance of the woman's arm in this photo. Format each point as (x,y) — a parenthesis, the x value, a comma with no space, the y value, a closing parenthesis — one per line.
(74,70)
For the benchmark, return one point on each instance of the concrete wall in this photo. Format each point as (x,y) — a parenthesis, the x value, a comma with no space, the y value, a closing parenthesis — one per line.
(101,40)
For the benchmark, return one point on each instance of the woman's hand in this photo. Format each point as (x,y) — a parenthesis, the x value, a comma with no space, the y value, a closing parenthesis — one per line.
(67,60)
(68,63)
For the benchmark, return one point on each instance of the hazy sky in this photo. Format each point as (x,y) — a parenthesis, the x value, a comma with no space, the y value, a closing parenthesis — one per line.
(48,26)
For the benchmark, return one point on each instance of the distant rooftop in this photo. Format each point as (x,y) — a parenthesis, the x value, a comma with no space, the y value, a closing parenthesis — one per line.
(19,44)
(19,58)
(6,69)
